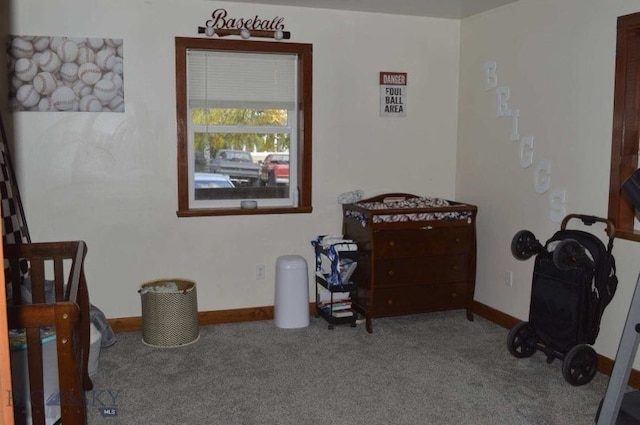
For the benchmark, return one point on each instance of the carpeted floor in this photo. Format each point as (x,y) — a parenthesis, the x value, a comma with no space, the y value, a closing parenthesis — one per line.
(433,368)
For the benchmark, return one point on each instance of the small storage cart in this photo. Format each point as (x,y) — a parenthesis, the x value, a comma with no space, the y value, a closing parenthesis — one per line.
(336,260)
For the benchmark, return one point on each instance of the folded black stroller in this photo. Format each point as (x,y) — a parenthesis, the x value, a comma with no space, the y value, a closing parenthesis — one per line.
(574,279)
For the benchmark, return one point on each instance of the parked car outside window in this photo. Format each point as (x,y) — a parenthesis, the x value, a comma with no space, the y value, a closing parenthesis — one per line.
(275,169)
(211,180)
(236,164)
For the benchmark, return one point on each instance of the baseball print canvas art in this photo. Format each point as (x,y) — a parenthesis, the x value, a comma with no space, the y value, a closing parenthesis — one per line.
(65,74)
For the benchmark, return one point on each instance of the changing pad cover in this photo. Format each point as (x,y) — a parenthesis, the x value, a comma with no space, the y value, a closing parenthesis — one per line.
(408,203)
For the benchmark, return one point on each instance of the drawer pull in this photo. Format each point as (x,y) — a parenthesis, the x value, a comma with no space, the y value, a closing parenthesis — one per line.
(454,294)
(455,267)
(457,239)
(391,272)
(392,244)
(426,228)
(390,301)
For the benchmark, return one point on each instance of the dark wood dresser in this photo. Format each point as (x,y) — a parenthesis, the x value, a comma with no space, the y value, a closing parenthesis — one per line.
(416,254)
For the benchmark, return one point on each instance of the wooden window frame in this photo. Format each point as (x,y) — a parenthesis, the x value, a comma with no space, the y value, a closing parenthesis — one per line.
(626,126)
(305,96)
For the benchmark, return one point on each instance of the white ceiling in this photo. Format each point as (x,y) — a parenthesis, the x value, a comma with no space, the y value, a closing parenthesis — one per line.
(452,9)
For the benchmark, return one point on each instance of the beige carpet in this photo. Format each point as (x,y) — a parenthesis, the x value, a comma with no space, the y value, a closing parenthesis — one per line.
(434,368)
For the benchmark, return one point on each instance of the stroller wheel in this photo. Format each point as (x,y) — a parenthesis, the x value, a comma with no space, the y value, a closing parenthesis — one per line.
(580,365)
(521,340)
(524,245)
(569,253)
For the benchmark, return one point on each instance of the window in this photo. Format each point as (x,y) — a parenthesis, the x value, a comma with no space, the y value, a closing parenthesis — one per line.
(240,105)
(626,125)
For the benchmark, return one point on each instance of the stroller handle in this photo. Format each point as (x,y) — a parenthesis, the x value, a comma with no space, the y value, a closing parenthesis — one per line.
(588,220)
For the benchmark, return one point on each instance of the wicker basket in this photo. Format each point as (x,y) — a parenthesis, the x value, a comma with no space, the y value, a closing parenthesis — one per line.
(169,319)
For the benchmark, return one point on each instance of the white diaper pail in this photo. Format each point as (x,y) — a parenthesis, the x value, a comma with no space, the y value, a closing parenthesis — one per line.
(291,306)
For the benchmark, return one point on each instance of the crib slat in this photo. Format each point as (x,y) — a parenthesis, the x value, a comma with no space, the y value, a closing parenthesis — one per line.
(16,280)
(36,273)
(58,277)
(77,283)
(36,375)
(71,402)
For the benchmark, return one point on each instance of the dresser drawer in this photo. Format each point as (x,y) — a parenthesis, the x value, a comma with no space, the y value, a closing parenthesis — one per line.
(417,270)
(421,241)
(421,298)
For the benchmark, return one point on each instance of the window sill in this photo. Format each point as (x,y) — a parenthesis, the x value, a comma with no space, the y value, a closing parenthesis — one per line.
(239,211)
(628,234)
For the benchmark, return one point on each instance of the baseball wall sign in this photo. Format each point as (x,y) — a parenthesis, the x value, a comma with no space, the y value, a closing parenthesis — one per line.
(66,74)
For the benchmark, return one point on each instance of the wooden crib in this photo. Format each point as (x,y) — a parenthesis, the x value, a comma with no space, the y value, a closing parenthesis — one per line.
(66,310)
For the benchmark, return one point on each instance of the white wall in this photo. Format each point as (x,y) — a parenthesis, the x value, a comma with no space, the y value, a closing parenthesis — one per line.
(110,179)
(557,58)
(4,32)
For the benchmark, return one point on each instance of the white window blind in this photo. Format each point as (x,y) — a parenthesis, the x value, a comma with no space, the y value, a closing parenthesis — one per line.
(220,79)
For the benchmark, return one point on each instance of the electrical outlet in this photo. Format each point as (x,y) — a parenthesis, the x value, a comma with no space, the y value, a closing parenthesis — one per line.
(508,278)
(260,271)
